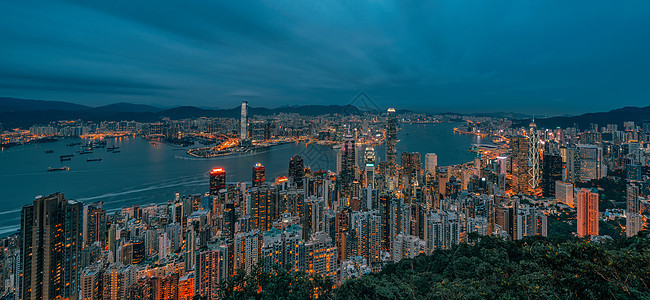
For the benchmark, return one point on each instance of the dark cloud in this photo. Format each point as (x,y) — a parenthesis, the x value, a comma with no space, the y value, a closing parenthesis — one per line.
(549,57)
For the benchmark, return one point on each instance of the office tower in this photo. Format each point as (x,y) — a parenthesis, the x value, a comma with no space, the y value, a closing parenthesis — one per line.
(321,256)
(551,172)
(587,217)
(585,163)
(50,249)
(209,272)
(94,228)
(564,193)
(520,174)
(258,174)
(217,180)
(348,169)
(410,163)
(391,138)
(634,220)
(430,163)
(370,176)
(296,170)
(243,134)
(533,157)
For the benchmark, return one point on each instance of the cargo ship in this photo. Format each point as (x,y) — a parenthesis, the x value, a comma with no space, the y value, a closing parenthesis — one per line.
(94,159)
(50,169)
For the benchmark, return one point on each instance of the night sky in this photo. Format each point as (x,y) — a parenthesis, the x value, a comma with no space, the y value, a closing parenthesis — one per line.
(541,57)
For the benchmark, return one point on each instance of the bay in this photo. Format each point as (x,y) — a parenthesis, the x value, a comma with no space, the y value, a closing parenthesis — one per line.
(144,172)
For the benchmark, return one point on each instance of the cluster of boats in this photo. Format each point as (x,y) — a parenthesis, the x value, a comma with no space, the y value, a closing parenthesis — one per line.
(86,148)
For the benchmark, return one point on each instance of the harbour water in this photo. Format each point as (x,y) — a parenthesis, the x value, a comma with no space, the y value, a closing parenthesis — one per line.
(144,172)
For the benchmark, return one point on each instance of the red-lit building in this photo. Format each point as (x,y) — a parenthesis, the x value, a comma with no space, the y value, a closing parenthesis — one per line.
(258,174)
(217,180)
(186,287)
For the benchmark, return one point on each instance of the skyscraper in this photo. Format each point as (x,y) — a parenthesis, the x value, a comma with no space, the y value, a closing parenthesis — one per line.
(52,241)
(391,137)
(551,172)
(520,175)
(348,170)
(217,180)
(430,163)
(533,157)
(410,163)
(587,218)
(243,134)
(634,221)
(296,170)
(258,174)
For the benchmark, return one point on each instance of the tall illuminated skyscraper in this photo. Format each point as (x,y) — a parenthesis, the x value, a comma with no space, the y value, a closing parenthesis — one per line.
(533,157)
(243,134)
(520,175)
(258,174)
(217,180)
(587,218)
(296,170)
(348,151)
(50,249)
(391,137)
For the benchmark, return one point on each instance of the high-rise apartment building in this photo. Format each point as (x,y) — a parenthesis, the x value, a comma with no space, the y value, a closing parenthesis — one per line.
(587,217)
(51,245)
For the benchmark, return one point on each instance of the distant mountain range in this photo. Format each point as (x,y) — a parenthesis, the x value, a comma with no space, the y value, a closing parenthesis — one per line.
(638,115)
(24,113)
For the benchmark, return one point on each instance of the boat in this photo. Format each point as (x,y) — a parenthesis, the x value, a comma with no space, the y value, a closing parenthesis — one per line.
(50,169)
(65,158)
(49,151)
(85,152)
(112,147)
(73,144)
(67,155)
(116,151)
(94,159)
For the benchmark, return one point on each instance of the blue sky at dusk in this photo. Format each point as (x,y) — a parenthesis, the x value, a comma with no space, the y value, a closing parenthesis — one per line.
(542,57)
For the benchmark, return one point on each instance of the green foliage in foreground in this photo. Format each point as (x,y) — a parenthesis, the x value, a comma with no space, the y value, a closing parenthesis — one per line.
(532,268)
(489,268)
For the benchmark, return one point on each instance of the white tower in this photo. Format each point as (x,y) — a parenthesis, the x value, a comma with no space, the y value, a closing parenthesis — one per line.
(533,156)
(244,120)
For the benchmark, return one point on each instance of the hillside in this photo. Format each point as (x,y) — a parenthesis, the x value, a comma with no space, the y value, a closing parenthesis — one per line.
(24,113)
(638,115)
(531,268)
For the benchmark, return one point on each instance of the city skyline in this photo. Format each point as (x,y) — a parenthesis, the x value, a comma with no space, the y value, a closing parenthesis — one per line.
(529,57)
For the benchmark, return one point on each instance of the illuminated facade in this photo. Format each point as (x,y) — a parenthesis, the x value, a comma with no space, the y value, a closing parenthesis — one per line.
(391,138)
(321,255)
(533,157)
(587,217)
(217,180)
(51,245)
(258,174)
